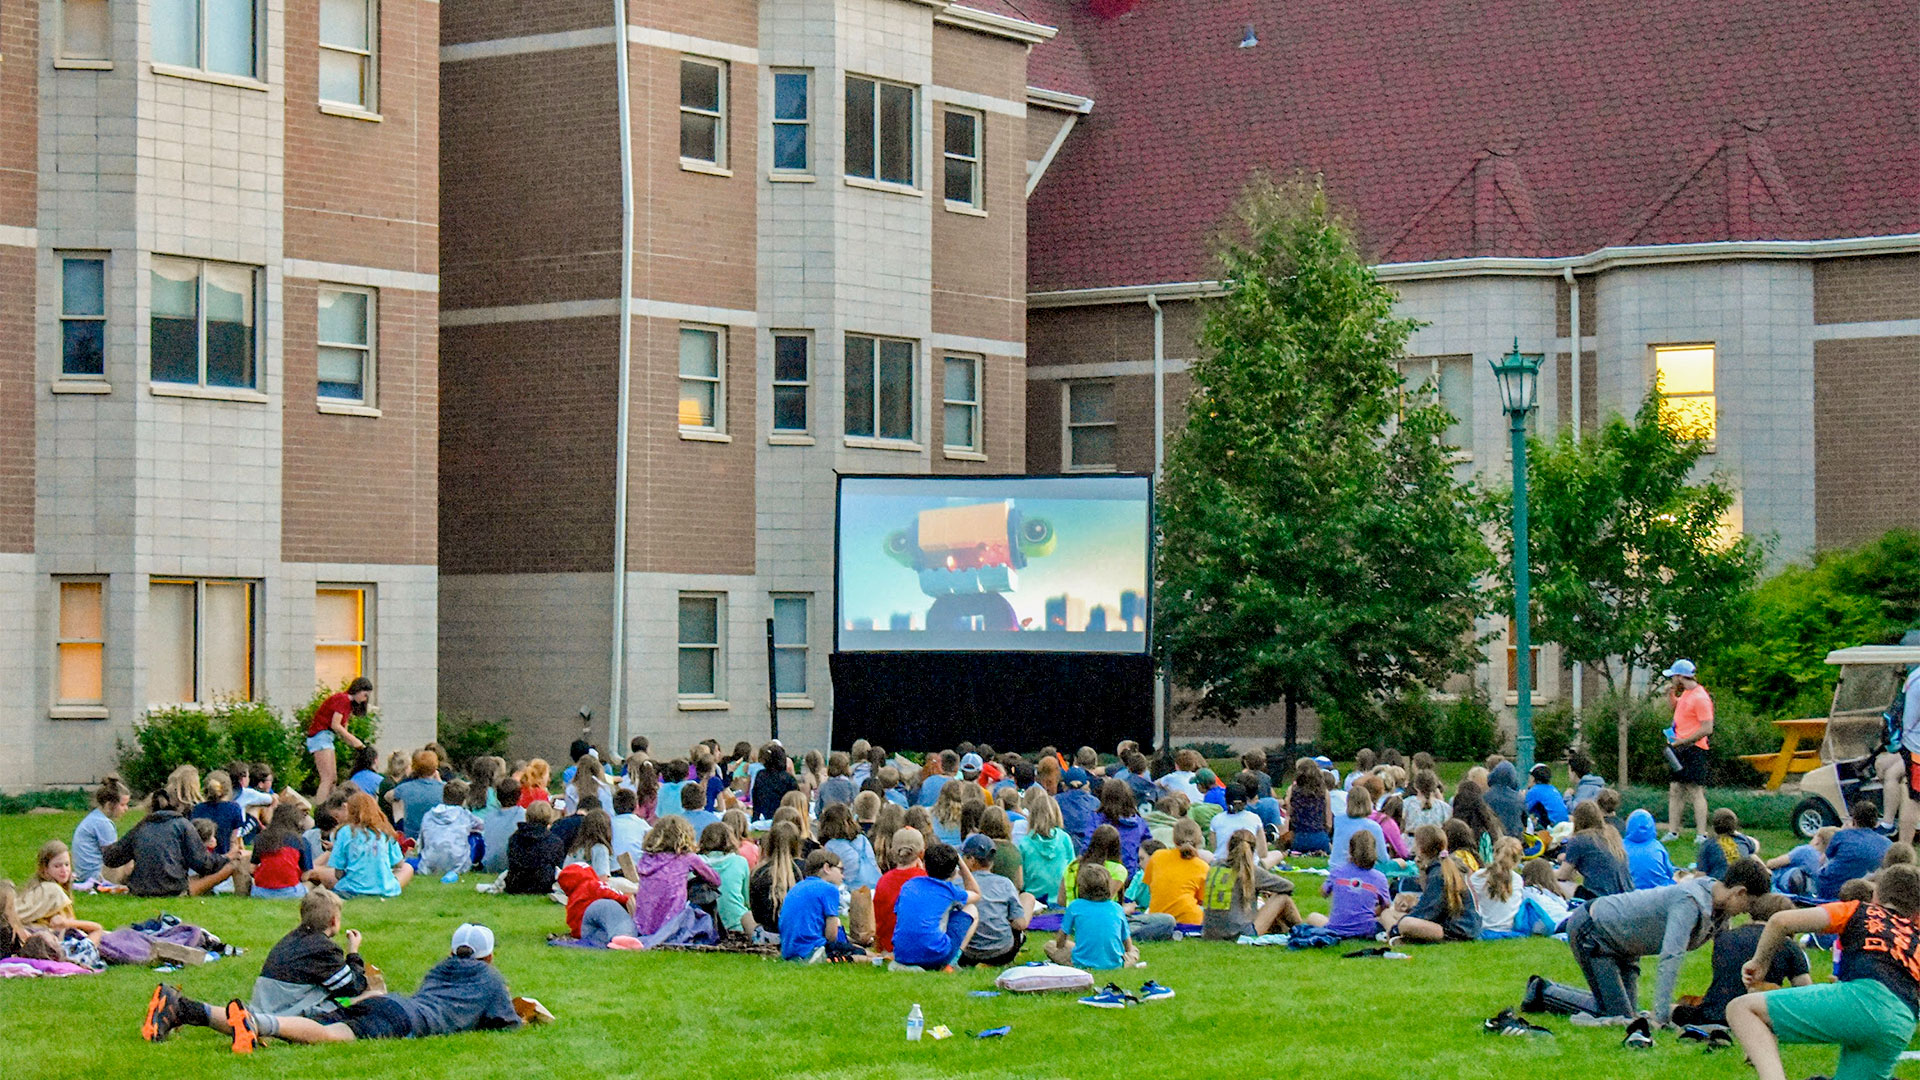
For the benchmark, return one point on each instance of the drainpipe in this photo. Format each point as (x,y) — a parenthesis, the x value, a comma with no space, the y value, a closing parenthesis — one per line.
(1573,353)
(1163,679)
(618,646)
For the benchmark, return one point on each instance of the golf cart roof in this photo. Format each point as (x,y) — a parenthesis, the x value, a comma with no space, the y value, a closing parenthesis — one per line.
(1876,654)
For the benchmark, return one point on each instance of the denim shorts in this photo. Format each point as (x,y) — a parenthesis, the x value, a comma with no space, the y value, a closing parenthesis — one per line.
(322,741)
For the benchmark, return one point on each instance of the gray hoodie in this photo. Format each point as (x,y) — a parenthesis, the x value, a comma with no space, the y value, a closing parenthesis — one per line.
(1505,800)
(1669,922)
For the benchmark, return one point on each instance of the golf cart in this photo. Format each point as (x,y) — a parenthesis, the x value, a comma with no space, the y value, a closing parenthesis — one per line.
(1855,728)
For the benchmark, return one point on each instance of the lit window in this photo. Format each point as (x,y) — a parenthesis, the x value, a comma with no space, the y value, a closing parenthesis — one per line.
(792,111)
(80,650)
(204,332)
(339,635)
(699,646)
(879,377)
(1685,376)
(1091,428)
(1451,381)
(703,111)
(962,153)
(220,36)
(960,402)
(199,640)
(349,29)
(345,348)
(83,315)
(85,31)
(790,382)
(703,398)
(879,130)
(790,646)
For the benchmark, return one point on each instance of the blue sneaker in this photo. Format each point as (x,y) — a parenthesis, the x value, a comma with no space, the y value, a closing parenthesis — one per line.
(1153,991)
(1106,999)
(451,877)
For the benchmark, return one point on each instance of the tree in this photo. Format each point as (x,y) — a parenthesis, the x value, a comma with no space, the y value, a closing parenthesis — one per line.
(1632,561)
(1315,545)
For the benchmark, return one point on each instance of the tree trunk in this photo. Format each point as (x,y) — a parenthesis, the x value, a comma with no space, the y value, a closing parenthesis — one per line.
(1293,724)
(1622,721)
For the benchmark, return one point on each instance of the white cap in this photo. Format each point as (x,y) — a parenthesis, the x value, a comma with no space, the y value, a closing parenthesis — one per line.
(475,938)
(1680,667)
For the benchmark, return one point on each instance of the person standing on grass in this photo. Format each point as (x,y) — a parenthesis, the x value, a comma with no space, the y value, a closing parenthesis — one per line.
(1692,724)
(330,723)
(1868,1011)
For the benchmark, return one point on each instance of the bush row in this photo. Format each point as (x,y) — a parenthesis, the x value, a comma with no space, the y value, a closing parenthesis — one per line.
(211,737)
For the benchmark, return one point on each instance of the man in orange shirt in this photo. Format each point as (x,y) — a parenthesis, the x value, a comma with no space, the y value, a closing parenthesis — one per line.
(1692,723)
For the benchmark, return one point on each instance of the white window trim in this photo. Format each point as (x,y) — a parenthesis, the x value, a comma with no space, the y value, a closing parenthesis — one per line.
(254,631)
(365,644)
(60,259)
(775,123)
(79,63)
(976,161)
(370,108)
(718,698)
(718,165)
(78,710)
(975,445)
(718,379)
(791,435)
(1067,427)
(201,388)
(1463,454)
(255,81)
(874,182)
(368,399)
(877,441)
(1653,362)
(803,699)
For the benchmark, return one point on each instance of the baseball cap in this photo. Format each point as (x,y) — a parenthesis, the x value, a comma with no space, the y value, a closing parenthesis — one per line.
(1680,667)
(977,846)
(970,763)
(475,938)
(1075,775)
(1324,762)
(1204,779)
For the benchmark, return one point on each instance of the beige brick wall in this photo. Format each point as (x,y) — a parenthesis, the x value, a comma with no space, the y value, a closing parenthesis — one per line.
(1863,428)
(1866,290)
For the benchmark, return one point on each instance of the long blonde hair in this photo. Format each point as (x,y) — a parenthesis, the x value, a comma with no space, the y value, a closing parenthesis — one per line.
(1588,818)
(1430,851)
(1043,814)
(183,788)
(950,802)
(1187,837)
(777,856)
(1242,858)
(1500,872)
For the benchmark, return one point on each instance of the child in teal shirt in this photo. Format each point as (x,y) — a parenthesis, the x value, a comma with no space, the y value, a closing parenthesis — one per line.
(1093,932)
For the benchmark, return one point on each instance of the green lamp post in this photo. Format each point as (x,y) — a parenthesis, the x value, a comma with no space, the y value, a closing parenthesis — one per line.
(1519,380)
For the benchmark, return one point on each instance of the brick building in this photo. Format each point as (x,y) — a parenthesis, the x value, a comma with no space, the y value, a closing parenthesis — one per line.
(1740,217)
(826,273)
(218,306)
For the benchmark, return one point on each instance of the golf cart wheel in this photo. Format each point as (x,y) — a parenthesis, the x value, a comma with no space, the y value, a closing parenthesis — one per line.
(1811,816)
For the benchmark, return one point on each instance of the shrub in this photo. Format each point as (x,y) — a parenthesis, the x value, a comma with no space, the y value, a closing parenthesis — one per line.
(256,732)
(76,800)
(1554,729)
(1470,731)
(466,738)
(209,738)
(1757,809)
(1205,749)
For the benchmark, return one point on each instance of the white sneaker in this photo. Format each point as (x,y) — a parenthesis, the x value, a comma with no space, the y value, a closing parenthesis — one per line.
(1588,1020)
(1669,836)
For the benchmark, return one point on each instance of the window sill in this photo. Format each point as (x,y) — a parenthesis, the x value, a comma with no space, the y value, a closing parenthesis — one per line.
(863,442)
(242,82)
(952,454)
(792,178)
(79,386)
(794,702)
(695,165)
(968,209)
(77,63)
(1461,457)
(703,705)
(1091,468)
(346,408)
(789,438)
(351,112)
(1512,698)
(886,186)
(77,712)
(208,393)
(699,435)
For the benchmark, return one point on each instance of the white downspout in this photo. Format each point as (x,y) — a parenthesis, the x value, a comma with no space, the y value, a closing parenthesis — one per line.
(1161,682)
(621,460)
(1573,353)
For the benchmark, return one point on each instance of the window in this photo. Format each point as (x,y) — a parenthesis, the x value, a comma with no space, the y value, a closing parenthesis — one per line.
(790,382)
(1513,662)
(339,635)
(879,130)
(83,315)
(703,362)
(1685,375)
(80,650)
(703,111)
(699,646)
(792,109)
(1451,378)
(344,357)
(1091,427)
(220,36)
(790,646)
(962,152)
(960,402)
(203,323)
(349,30)
(85,30)
(879,388)
(199,640)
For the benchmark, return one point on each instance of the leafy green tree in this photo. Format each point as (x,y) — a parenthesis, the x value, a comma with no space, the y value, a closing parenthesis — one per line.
(1632,562)
(1315,544)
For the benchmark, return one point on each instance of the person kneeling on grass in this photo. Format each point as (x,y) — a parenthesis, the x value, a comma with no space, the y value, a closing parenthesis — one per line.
(935,916)
(1731,950)
(1869,1012)
(1093,932)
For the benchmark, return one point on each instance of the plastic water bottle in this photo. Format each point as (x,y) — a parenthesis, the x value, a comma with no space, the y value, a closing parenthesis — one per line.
(916,1023)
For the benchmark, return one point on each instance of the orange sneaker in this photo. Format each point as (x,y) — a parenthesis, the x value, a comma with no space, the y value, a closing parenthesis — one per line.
(161,1010)
(245,1035)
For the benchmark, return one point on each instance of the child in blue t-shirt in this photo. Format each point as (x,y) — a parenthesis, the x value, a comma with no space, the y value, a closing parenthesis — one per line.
(1795,871)
(810,914)
(1093,933)
(1545,805)
(933,917)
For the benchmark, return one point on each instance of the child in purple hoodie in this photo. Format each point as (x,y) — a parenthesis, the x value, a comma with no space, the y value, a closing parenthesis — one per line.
(661,913)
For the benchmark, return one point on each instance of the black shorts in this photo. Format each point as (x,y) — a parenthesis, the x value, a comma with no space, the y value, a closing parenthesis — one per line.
(1000,959)
(378,1017)
(1693,765)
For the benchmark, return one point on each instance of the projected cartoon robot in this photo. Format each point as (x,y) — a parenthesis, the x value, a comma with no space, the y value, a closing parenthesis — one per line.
(967,558)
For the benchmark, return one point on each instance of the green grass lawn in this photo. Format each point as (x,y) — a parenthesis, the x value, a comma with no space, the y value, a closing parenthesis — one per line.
(1240,1012)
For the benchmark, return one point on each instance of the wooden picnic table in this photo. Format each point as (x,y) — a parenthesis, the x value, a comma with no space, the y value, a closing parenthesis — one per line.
(1790,758)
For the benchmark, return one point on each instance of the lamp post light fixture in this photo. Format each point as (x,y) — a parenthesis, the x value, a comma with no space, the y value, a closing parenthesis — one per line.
(1519,380)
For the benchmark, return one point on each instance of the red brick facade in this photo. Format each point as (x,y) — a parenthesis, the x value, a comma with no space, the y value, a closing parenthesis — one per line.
(19,135)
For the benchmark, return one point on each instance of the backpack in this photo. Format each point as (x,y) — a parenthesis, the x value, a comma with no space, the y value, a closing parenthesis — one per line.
(1895,717)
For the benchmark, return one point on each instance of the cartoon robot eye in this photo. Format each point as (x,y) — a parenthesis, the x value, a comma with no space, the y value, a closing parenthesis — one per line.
(899,546)
(1037,538)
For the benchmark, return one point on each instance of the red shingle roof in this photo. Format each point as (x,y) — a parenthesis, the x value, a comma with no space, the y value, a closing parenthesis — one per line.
(1454,128)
